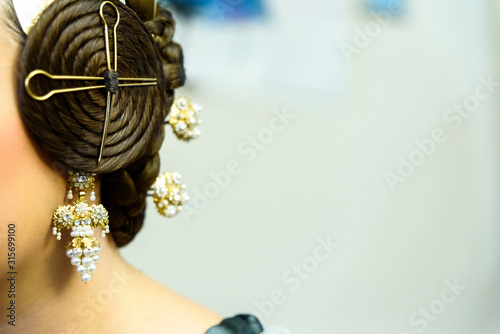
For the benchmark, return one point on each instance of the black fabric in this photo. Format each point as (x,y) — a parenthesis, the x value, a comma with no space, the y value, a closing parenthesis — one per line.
(239,324)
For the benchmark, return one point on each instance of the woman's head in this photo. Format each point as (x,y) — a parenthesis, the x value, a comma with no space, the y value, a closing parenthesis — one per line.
(68,39)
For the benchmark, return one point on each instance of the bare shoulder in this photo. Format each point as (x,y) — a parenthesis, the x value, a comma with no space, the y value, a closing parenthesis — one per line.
(162,310)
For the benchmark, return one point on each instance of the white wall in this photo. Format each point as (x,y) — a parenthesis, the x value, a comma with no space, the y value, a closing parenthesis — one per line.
(322,176)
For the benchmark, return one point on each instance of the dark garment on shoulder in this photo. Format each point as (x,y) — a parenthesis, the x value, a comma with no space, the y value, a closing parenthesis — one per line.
(239,324)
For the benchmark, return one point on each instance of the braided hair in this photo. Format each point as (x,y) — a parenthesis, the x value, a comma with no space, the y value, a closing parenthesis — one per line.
(68,39)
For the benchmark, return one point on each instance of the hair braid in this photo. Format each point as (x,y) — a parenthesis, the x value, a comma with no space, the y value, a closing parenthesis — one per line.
(162,28)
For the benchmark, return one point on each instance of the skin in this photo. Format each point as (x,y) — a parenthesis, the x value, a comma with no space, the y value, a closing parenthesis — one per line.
(50,297)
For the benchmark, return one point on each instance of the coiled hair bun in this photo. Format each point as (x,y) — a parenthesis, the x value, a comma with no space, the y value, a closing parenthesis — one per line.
(68,39)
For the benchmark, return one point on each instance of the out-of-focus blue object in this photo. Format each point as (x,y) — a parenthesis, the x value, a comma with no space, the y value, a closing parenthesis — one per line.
(394,7)
(219,10)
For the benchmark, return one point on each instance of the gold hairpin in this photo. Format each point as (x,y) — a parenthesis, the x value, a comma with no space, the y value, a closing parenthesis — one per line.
(110,77)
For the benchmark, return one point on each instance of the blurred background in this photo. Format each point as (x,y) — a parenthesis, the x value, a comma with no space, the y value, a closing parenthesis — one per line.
(347,179)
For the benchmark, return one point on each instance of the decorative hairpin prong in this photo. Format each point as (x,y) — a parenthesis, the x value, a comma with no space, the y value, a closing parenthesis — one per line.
(110,77)
(146,82)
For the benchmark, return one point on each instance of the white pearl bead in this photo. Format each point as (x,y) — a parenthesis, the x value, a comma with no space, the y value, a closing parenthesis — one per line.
(85,277)
(92,268)
(54,232)
(58,237)
(86,261)
(77,252)
(75,261)
(80,269)
(79,228)
(95,258)
(69,253)
(87,251)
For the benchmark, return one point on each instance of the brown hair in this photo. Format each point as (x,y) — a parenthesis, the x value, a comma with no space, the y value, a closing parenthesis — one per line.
(68,38)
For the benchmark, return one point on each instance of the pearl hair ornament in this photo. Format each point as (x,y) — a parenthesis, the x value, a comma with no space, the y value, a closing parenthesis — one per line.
(185,119)
(169,194)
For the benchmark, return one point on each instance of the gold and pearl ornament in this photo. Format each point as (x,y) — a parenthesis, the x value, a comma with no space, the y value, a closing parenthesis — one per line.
(81,218)
(185,119)
(168,194)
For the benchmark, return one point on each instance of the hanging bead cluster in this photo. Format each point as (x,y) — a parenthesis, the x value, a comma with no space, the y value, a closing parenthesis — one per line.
(185,119)
(169,195)
(80,217)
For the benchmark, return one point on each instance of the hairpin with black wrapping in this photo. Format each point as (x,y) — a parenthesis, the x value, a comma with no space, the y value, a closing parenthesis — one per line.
(110,77)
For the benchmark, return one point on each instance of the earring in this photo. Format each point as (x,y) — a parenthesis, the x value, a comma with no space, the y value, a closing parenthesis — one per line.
(83,249)
(185,119)
(168,194)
